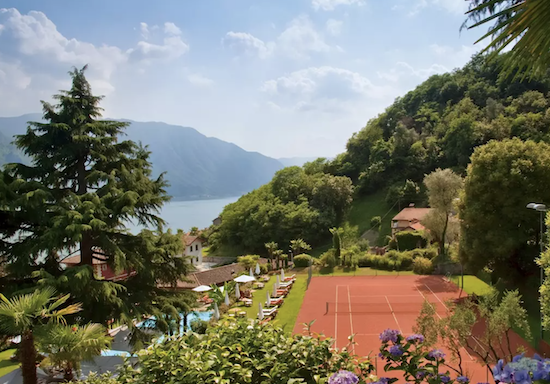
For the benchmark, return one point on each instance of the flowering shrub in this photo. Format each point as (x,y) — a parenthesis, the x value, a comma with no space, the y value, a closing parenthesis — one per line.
(417,365)
(522,370)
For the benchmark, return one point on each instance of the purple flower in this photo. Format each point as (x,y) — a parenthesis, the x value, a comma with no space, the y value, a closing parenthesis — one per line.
(522,377)
(436,354)
(420,374)
(343,377)
(396,350)
(462,379)
(517,358)
(389,335)
(415,338)
(444,378)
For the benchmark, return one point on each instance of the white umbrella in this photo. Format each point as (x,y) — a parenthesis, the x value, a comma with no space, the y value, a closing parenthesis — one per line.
(226,298)
(268,297)
(216,311)
(251,274)
(258,271)
(278,282)
(222,288)
(244,279)
(202,288)
(237,291)
(283,274)
(260,312)
(275,290)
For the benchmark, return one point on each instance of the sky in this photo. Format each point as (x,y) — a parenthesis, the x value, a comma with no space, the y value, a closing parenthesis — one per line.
(286,78)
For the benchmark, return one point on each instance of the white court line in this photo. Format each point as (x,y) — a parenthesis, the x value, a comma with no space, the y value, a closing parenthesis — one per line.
(384,295)
(438,315)
(336,319)
(437,297)
(394,317)
(350,317)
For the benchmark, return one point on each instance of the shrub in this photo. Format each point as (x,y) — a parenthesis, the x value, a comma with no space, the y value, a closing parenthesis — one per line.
(233,350)
(408,240)
(363,245)
(391,261)
(375,222)
(199,326)
(302,260)
(328,259)
(422,266)
(248,261)
(264,268)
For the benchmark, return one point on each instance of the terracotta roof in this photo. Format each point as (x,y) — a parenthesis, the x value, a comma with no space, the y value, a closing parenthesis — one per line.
(188,239)
(410,214)
(74,260)
(417,226)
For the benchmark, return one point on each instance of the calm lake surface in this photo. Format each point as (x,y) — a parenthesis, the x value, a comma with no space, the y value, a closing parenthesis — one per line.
(192,213)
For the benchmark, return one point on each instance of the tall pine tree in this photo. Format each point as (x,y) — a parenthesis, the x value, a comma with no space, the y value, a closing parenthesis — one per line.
(84,185)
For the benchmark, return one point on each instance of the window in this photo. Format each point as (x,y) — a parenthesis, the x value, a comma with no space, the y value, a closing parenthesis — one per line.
(395,224)
(196,247)
(191,249)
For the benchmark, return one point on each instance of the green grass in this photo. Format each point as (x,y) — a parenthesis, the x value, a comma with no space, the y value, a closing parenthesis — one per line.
(359,272)
(6,365)
(364,208)
(472,285)
(224,251)
(288,312)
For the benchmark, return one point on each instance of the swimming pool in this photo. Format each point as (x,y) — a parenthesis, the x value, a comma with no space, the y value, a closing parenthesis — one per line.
(203,315)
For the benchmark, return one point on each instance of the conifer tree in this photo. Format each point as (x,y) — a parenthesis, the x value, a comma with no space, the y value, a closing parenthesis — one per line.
(84,185)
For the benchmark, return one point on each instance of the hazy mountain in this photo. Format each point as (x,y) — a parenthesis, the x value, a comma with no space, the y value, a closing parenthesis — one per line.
(197,166)
(299,161)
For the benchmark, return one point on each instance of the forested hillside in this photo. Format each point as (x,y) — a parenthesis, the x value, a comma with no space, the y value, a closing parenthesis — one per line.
(439,124)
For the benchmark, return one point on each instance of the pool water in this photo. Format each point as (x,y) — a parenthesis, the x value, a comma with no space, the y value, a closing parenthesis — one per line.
(204,315)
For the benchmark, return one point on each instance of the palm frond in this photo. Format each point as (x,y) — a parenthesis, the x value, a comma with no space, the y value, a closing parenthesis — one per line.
(520,24)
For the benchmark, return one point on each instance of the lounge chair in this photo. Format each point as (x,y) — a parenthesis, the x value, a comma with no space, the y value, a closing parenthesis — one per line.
(247,302)
(282,292)
(271,311)
(274,302)
(285,285)
(291,278)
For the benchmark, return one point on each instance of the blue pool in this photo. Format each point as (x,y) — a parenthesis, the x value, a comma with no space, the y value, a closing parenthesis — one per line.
(206,315)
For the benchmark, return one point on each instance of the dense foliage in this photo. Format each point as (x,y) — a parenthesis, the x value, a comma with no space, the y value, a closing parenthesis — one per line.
(496,227)
(294,205)
(439,123)
(83,186)
(241,352)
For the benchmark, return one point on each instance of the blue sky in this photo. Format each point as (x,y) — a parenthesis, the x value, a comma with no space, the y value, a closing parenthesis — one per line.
(284,78)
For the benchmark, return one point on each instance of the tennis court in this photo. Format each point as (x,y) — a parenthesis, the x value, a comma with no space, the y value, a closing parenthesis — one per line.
(367,305)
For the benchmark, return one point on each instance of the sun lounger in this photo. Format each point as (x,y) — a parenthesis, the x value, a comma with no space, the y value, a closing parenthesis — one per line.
(282,292)
(285,285)
(291,278)
(247,302)
(273,302)
(270,311)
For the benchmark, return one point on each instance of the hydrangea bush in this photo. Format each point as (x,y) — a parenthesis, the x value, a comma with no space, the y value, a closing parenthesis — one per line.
(523,370)
(406,355)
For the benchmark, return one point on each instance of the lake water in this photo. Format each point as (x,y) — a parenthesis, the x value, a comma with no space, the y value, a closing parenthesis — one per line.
(192,213)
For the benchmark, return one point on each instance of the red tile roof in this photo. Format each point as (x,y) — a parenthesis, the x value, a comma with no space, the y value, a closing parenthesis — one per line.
(417,226)
(75,260)
(410,214)
(188,239)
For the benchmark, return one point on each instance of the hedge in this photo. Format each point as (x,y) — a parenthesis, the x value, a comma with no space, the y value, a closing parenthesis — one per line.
(302,260)
(423,266)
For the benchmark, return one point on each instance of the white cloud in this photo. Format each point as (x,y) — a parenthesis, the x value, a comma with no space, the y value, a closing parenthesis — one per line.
(334,27)
(200,80)
(299,39)
(171,29)
(328,89)
(245,43)
(452,6)
(405,70)
(172,45)
(144,28)
(330,5)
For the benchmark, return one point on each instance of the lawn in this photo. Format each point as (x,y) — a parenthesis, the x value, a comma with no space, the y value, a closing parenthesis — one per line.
(6,365)
(364,208)
(472,285)
(358,272)
(288,313)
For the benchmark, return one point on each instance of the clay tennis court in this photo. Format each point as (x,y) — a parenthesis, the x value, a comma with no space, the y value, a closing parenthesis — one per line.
(367,305)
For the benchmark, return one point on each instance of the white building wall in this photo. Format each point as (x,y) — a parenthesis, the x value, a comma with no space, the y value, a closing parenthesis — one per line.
(194,252)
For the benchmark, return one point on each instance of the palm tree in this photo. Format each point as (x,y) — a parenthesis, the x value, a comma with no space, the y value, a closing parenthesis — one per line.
(525,23)
(277,254)
(25,314)
(271,247)
(298,246)
(66,347)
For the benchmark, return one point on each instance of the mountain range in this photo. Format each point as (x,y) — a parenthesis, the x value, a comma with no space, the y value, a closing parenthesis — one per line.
(197,167)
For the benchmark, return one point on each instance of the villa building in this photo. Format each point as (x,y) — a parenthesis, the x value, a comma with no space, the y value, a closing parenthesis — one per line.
(409,219)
